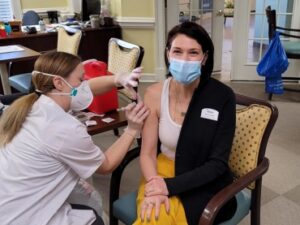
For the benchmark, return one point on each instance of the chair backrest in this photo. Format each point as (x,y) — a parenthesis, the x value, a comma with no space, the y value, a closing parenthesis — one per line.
(30,18)
(272,25)
(291,43)
(123,56)
(254,122)
(67,42)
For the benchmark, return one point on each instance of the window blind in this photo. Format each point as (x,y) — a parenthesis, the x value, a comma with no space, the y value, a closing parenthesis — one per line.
(6,10)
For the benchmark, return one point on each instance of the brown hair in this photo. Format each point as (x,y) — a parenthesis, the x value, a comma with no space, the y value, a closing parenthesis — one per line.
(198,33)
(58,63)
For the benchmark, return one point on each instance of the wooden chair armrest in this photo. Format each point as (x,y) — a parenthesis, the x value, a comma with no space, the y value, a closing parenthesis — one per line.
(223,196)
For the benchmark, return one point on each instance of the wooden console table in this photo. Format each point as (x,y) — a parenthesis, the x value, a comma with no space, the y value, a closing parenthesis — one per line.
(93,44)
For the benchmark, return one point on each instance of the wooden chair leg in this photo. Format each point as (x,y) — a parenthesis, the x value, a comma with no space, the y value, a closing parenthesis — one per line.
(255,205)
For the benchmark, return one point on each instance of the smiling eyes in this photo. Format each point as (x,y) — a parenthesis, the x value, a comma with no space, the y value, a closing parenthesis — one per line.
(190,52)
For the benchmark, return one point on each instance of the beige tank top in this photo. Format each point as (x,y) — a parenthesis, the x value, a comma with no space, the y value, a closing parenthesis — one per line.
(168,130)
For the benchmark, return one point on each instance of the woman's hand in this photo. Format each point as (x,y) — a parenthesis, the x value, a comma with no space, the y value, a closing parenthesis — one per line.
(136,114)
(153,202)
(129,80)
(156,186)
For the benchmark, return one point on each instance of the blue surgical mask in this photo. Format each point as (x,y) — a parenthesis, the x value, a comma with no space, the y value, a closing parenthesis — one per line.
(183,71)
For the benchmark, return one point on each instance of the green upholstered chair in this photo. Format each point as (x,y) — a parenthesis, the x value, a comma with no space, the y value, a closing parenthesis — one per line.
(255,120)
(22,82)
(290,42)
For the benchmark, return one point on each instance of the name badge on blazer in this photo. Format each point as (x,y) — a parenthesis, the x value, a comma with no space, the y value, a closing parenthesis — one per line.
(210,114)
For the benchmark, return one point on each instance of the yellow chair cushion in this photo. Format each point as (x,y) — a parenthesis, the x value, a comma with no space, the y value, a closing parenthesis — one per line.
(251,123)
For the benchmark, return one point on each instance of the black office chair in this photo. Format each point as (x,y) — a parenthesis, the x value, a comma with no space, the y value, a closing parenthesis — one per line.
(291,45)
(30,18)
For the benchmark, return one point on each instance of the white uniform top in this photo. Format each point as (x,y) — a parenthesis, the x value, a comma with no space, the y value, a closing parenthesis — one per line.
(41,165)
(168,129)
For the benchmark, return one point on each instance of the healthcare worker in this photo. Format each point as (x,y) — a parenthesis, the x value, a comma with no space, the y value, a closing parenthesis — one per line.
(45,151)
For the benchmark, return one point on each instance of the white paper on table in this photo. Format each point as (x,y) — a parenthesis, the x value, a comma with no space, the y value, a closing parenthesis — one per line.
(10,48)
(108,120)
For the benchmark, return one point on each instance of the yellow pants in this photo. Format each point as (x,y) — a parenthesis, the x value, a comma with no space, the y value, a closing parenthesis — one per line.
(176,216)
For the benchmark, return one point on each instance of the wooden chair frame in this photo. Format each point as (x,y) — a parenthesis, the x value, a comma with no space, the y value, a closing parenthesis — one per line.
(216,203)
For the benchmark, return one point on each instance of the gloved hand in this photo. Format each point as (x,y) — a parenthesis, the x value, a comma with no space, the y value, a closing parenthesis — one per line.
(86,187)
(129,80)
(136,113)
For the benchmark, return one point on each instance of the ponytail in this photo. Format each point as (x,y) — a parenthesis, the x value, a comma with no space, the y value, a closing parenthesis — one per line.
(14,116)
(59,63)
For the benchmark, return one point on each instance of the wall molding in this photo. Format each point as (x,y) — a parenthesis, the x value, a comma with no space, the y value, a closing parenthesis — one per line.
(136,22)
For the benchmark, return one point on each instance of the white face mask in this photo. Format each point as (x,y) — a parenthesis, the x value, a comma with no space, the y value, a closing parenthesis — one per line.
(81,96)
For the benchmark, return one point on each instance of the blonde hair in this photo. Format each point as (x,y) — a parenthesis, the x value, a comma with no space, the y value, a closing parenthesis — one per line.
(58,63)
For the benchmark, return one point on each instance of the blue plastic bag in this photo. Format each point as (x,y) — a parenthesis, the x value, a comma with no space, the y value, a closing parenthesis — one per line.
(274,85)
(274,62)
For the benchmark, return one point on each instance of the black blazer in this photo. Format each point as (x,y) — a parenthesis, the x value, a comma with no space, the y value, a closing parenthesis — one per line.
(205,140)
